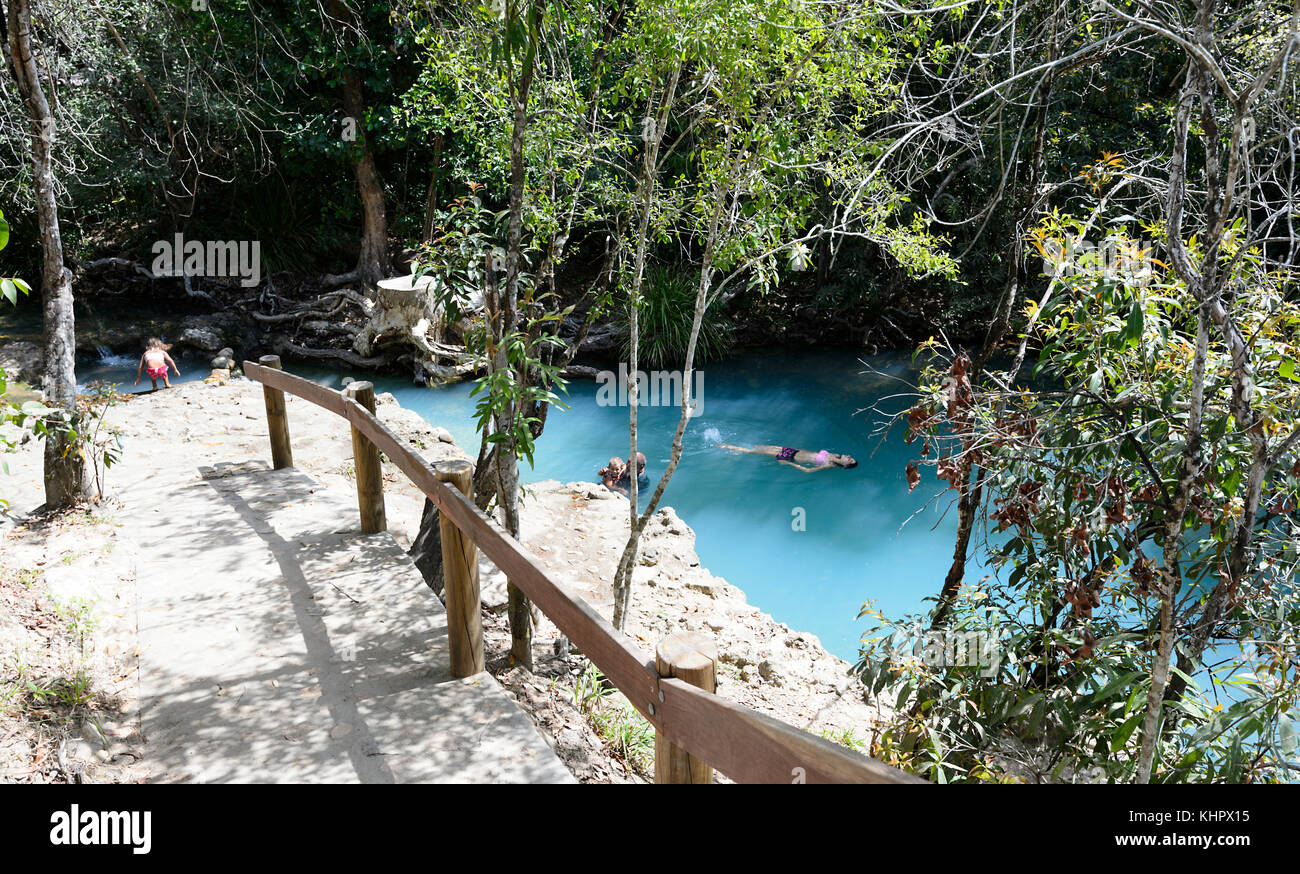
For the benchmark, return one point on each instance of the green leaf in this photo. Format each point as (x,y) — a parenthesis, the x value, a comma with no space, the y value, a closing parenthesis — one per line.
(1126,730)
(1287,369)
(1133,330)
(1115,686)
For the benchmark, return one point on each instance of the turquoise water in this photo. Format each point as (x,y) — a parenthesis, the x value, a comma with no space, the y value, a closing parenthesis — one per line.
(744,508)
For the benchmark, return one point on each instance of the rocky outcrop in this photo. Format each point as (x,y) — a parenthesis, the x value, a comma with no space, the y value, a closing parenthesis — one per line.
(206,333)
(577,530)
(22,362)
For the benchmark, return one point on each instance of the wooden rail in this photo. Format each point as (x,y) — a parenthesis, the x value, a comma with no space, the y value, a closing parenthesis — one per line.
(694,728)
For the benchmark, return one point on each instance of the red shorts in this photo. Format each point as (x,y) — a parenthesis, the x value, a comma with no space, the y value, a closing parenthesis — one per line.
(158,372)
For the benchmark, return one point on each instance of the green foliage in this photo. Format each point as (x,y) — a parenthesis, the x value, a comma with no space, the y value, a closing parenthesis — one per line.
(667,310)
(1076,476)
(10,286)
(83,431)
(616,721)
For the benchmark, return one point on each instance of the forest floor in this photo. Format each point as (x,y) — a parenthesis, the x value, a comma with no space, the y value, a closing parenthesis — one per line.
(69,679)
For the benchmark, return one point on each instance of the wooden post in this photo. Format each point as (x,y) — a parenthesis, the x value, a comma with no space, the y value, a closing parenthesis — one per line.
(277,420)
(460,578)
(691,658)
(370,481)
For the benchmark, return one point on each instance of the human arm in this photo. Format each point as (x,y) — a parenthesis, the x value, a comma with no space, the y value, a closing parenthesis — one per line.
(805,469)
(139,370)
(172,363)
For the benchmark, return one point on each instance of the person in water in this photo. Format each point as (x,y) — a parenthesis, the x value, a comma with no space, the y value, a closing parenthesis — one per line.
(611,473)
(155,358)
(799,457)
(616,476)
(640,468)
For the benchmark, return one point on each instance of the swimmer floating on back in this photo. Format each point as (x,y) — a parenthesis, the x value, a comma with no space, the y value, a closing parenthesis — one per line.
(799,457)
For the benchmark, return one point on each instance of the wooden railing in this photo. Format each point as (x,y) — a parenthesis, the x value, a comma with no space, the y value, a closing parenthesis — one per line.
(695,731)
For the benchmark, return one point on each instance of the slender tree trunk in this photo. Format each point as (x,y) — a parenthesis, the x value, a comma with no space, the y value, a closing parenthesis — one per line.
(373,262)
(431,197)
(970,490)
(65,468)
(518,608)
(650,169)
(1171,575)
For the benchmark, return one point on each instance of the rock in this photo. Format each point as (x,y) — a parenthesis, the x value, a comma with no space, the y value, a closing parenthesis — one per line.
(93,734)
(769,670)
(83,751)
(200,338)
(426,549)
(708,586)
(603,338)
(803,640)
(22,362)
(580,371)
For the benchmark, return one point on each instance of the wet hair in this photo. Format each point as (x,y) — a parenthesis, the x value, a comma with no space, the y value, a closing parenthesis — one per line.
(155,343)
(846,461)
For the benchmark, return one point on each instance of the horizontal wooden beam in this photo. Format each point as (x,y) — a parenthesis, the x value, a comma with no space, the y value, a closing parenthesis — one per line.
(745,745)
(750,747)
(319,395)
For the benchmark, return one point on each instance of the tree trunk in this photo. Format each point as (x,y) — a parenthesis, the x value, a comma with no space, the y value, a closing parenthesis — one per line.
(1171,574)
(519,610)
(431,196)
(65,467)
(622,585)
(970,493)
(373,263)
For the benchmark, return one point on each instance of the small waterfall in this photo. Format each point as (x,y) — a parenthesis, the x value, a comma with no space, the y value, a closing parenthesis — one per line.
(107,358)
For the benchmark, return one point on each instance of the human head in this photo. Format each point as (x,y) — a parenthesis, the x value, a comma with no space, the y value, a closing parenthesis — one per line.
(615,465)
(844,460)
(155,343)
(640,462)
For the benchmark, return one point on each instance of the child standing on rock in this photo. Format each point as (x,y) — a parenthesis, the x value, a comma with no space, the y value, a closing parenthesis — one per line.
(156,359)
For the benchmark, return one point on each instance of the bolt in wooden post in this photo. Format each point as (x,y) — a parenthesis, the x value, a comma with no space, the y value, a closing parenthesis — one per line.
(460,578)
(277,420)
(691,658)
(370,482)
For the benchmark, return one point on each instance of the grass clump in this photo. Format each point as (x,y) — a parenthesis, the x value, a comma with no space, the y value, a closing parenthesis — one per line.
(630,737)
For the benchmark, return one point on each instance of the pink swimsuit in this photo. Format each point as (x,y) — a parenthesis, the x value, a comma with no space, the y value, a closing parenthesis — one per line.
(157,366)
